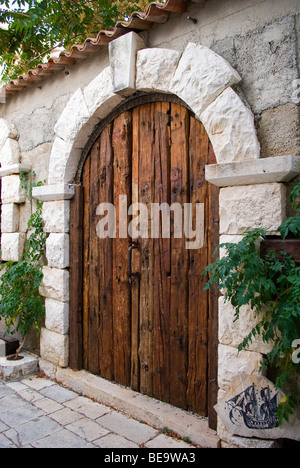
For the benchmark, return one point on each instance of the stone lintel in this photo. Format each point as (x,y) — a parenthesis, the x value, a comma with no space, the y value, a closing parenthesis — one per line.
(259,171)
(54,192)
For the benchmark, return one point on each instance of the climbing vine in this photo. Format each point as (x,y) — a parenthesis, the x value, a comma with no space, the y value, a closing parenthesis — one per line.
(21,306)
(271,287)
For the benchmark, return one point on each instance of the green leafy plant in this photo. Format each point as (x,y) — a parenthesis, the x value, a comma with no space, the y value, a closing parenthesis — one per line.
(271,287)
(33,28)
(21,305)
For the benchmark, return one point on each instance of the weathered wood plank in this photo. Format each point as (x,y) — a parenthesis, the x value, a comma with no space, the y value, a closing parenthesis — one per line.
(162,258)
(146,195)
(121,292)
(76,280)
(213,300)
(179,259)
(94,270)
(105,334)
(198,299)
(290,246)
(135,288)
(86,252)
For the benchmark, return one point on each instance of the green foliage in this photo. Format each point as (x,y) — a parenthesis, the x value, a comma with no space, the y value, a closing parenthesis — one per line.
(35,27)
(21,305)
(271,287)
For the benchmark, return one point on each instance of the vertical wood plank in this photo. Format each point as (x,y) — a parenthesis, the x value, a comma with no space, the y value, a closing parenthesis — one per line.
(146,189)
(121,293)
(135,289)
(198,299)
(105,334)
(86,253)
(179,259)
(76,279)
(94,269)
(162,258)
(213,300)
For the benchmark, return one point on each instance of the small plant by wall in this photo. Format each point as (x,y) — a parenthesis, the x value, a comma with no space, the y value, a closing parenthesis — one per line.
(270,285)
(21,306)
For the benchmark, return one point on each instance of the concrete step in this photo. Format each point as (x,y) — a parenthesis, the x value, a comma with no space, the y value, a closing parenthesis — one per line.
(140,407)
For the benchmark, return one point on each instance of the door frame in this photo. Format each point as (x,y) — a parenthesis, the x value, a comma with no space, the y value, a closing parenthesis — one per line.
(76,255)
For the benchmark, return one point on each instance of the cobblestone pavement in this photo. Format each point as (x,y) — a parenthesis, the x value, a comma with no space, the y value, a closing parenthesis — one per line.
(39,413)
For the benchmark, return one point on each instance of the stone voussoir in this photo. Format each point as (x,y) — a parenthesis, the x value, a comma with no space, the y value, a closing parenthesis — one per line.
(201,76)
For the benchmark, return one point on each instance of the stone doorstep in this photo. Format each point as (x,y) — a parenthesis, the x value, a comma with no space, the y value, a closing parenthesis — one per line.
(141,407)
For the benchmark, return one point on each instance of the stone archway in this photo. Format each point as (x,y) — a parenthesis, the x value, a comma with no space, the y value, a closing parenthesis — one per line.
(200,77)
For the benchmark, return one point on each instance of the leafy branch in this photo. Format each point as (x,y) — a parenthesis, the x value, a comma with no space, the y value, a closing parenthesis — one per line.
(271,287)
(21,305)
(35,27)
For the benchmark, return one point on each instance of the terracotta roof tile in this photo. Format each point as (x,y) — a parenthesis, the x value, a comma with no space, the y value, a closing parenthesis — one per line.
(139,21)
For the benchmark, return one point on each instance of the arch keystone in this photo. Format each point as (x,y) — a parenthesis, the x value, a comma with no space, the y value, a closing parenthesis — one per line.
(155,69)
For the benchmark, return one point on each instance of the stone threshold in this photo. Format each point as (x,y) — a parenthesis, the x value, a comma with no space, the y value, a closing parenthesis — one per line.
(140,407)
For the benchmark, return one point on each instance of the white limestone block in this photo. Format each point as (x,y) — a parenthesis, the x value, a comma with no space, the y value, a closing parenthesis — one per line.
(258,171)
(99,96)
(12,192)
(73,119)
(12,246)
(56,216)
(122,54)
(55,284)
(232,363)
(243,410)
(63,162)
(10,217)
(10,153)
(54,192)
(54,347)
(57,250)
(243,208)
(155,69)
(57,316)
(6,131)
(230,126)
(231,239)
(14,169)
(201,77)
(232,333)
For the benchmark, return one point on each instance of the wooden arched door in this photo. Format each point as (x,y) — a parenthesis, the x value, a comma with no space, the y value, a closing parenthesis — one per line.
(148,330)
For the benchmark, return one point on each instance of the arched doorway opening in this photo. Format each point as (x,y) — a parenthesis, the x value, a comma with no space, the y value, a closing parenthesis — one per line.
(145,321)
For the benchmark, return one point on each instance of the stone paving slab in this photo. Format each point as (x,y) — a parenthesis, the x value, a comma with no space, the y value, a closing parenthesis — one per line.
(127,427)
(38,413)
